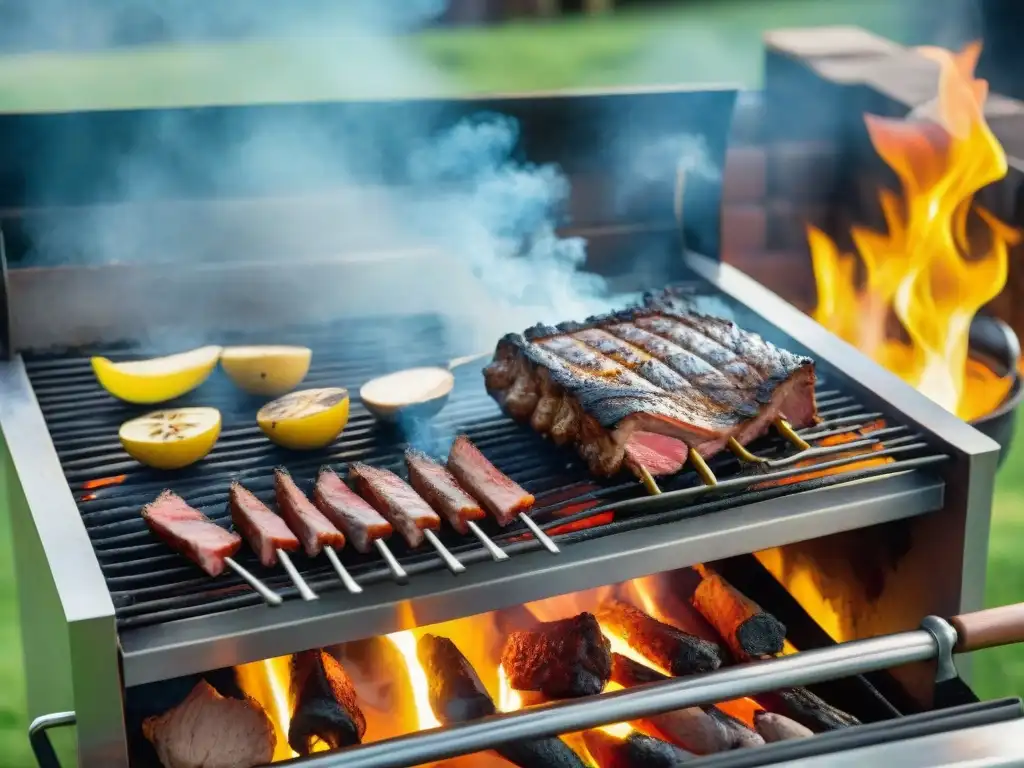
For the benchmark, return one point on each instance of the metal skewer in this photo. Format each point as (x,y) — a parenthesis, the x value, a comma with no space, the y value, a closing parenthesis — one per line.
(449,559)
(742,453)
(538,534)
(396,569)
(296,577)
(649,482)
(787,431)
(496,552)
(342,571)
(266,593)
(701,468)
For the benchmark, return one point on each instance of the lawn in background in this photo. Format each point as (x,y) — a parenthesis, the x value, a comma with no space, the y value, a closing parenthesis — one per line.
(717,41)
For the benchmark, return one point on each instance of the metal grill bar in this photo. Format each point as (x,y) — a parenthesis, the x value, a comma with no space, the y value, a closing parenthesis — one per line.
(150,584)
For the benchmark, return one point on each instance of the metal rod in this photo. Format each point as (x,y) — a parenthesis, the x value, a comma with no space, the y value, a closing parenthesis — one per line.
(810,432)
(266,593)
(649,482)
(702,469)
(542,537)
(449,559)
(396,569)
(296,577)
(496,552)
(342,571)
(786,430)
(804,668)
(742,453)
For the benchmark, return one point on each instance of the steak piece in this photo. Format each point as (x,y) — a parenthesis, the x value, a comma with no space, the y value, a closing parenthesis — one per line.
(442,491)
(360,522)
(208,730)
(190,532)
(561,659)
(265,531)
(396,501)
(501,495)
(324,706)
(313,529)
(642,386)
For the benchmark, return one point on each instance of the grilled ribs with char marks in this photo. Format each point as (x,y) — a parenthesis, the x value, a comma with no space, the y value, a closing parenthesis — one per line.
(644,385)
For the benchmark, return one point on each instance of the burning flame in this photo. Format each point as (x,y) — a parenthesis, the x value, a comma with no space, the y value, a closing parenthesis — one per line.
(267,682)
(104,482)
(925,271)
(405,642)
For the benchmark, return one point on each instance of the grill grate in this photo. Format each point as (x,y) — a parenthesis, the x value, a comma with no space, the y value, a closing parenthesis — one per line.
(151,585)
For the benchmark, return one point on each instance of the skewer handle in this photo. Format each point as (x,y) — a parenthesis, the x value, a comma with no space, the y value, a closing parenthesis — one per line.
(266,593)
(293,573)
(496,552)
(989,628)
(396,568)
(346,578)
(542,537)
(449,559)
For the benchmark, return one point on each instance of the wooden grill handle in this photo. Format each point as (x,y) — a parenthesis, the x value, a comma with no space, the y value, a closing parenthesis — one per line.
(989,628)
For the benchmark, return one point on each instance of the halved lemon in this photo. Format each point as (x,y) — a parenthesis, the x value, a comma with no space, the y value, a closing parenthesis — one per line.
(305,420)
(171,439)
(158,379)
(266,370)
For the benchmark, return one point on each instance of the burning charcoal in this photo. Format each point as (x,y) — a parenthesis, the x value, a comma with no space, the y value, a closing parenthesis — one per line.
(325,707)
(692,728)
(809,710)
(773,727)
(637,749)
(748,630)
(670,648)
(212,731)
(457,695)
(739,734)
(561,659)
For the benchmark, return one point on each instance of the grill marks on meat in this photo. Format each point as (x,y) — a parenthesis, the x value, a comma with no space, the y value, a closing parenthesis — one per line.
(208,730)
(650,371)
(561,659)
(441,491)
(325,707)
(502,496)
(360,522)
(396,501)
(265,531)
(313,529)
(191,533)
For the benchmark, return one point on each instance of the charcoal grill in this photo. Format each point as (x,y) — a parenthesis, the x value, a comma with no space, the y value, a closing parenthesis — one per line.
(135,614)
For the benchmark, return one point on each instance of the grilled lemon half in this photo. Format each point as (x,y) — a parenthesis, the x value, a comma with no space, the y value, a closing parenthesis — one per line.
(305,420)
(171,439)
(158,379)
(266,370)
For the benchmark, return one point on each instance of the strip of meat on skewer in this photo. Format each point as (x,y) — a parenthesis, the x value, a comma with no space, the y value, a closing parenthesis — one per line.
(266,532)
(442,492)
(497,492)
(637,750)
(672,649)
(360,522)
(324,707)
(651,386)
(774,727)
(806,708)
(749,630)
(692,728)
(313,529)
(457,695)
(212,731)
(396,501)
(191,533)
(561,659)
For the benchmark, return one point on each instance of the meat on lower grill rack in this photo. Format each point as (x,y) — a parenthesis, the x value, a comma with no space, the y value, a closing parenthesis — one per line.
(150,585)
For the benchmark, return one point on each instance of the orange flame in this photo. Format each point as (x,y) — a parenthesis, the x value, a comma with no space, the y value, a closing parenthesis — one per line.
(924,270)
(104,482)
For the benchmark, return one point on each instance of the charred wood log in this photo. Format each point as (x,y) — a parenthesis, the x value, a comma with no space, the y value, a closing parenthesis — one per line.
(775,727)
(806,708)
(457,695)
(748,630)
(325,708)
(637,750)
(739,735)
(561,659)
(670,648)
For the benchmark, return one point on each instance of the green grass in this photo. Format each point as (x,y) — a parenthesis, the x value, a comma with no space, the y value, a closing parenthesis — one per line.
(712,41)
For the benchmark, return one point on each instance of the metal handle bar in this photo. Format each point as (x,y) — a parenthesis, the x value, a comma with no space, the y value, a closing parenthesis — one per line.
(38,737)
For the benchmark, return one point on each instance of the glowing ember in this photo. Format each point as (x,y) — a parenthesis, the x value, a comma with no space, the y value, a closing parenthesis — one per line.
(405,642)
(104,482)
(742,709)
(924,271)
